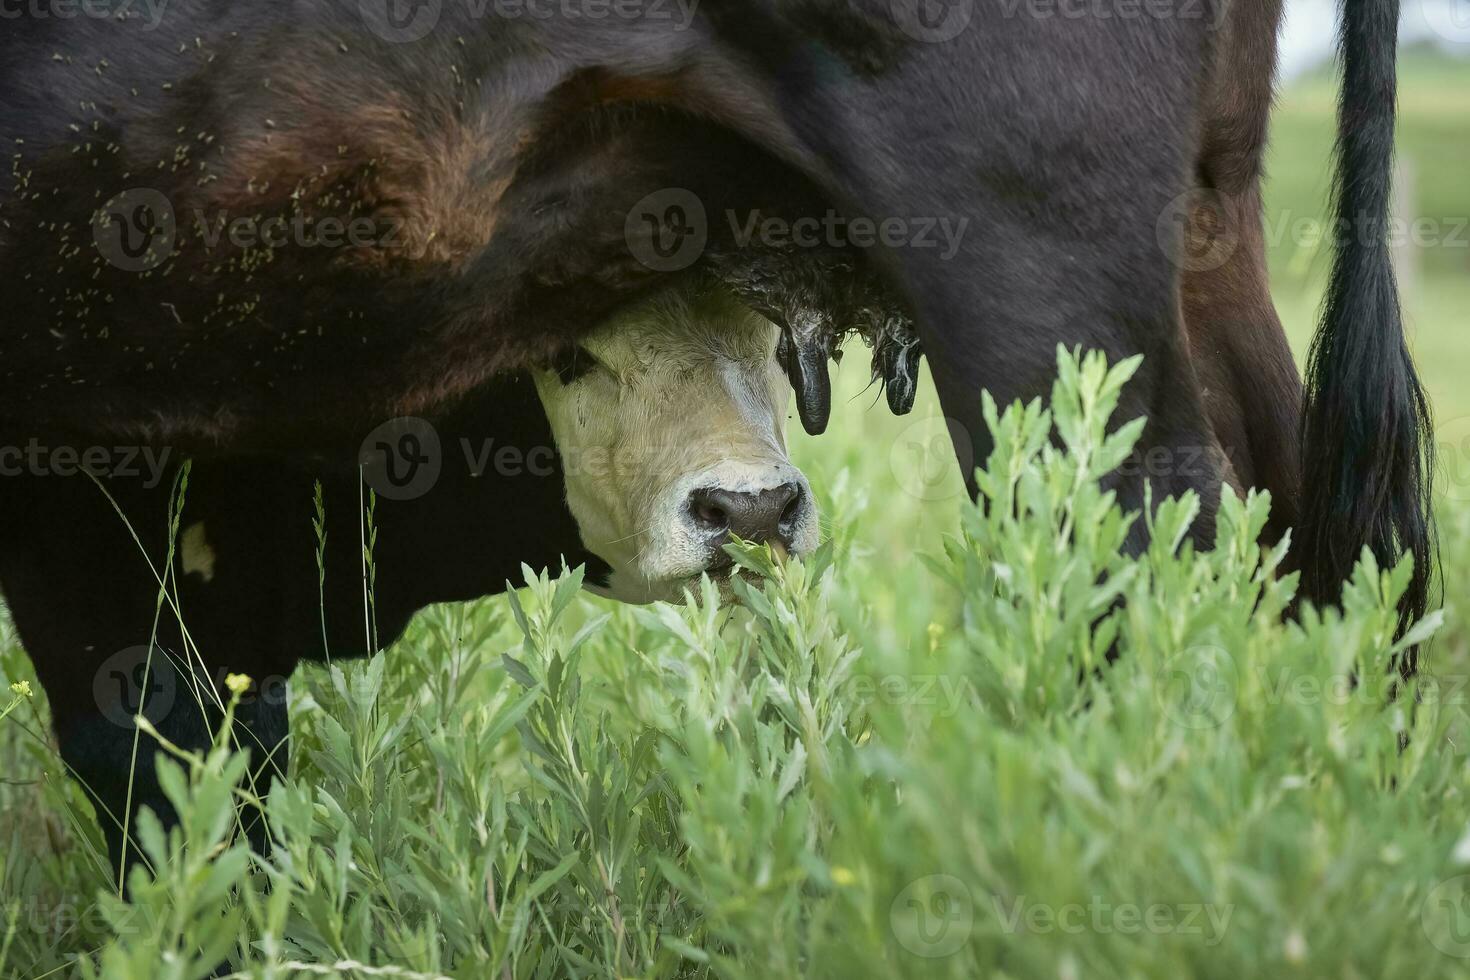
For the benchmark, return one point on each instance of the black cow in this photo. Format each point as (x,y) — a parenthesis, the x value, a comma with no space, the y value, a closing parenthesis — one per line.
(518,179)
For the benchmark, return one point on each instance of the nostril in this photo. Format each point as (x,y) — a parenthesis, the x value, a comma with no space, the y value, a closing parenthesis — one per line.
(792,510)
(755,515)
(713,516)
(708,511)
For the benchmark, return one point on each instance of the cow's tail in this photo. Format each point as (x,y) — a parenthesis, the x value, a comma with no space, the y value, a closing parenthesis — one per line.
(1366,458)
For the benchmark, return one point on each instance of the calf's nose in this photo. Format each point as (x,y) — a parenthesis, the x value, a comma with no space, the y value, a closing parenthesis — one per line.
(763,515)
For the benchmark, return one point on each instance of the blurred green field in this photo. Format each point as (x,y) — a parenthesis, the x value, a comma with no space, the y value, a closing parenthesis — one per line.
(1434,143)
(895,769)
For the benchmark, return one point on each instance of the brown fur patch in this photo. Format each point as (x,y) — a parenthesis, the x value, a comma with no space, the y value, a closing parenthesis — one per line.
(1238,94)
(427,186)
(1248,381)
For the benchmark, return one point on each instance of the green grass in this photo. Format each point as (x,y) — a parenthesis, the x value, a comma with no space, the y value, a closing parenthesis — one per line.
(881,766)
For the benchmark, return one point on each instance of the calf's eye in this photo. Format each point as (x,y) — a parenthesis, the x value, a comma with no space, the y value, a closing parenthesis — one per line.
(572,365)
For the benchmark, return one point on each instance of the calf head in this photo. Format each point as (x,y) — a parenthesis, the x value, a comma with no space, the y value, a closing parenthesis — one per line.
(670,420)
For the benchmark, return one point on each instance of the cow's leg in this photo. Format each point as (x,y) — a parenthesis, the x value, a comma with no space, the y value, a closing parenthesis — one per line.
(262,725)
(84,602)
(994,315)
(117,765)
(1005,341)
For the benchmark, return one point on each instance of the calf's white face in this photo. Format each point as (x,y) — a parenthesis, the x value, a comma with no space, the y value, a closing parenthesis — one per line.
(671,426)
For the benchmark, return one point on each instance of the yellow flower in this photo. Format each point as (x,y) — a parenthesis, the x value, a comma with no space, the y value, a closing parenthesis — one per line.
(22,688)
(843,876)
(238,683)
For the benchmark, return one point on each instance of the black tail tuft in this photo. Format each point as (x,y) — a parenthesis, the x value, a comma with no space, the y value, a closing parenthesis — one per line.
(1366,461)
